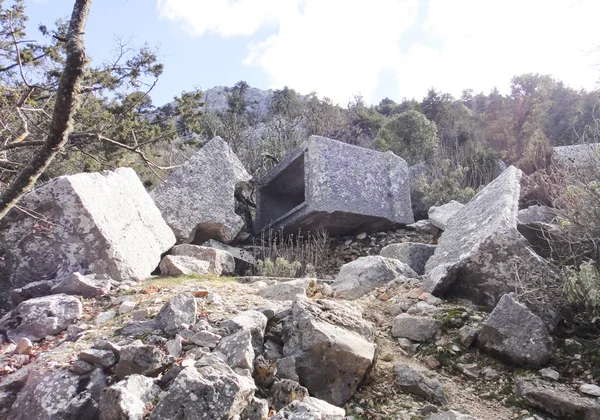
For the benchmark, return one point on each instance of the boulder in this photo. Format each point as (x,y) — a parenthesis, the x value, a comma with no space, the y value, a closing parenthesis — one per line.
(253,321)
(221,262)
(102,222)
(180,265)
(103,358)
(39,317)
(177,312)
(439,216)
(536,224)
(128,399)
(536,214)
(59,394)
(413,382)
(556,399)
(416,328)
(333,347)
(243,258)
(310,408)
(141,358)
(197,200)
(577,156)
(415,255)
(236,350)
(528,345)
(481,255)
(366,273)
(209,390)
(80,285)
(286,290)
(450,415)
(32,290)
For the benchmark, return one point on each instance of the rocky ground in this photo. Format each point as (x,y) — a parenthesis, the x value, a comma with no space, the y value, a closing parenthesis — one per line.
(452,373)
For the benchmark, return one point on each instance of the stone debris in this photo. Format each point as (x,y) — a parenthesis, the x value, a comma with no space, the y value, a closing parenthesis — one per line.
(286,290)
(181,265)
(80,285)
(220,262)
(415,255)
(197,200)
(128,399)
(440,216)
(177,312)
(413,382)
(141,358)
(416,328)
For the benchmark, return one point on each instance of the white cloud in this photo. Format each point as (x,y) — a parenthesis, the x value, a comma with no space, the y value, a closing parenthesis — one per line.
(339,47)
(486,43)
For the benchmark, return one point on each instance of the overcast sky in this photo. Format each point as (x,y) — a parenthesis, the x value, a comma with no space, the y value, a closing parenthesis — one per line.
(340,48)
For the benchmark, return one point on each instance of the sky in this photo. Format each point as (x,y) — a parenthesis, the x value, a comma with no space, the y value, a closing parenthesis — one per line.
(342,48)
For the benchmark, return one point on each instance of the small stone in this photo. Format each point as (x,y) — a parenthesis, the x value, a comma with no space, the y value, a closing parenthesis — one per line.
(104,358)
(387,357)
(348,242)
(24,346)
(107,345)
(105,316)
(490,374)
(141,314)
(468,335)
(590,389)
(549,373)
(81,367)
(127,307)
(175,347)
(361,236)
(415,293)
(471,370)
(430,299)
(206,339)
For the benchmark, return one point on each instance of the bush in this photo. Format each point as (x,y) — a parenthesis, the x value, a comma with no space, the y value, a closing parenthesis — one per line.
(443,184)
(583,286)
(284,268)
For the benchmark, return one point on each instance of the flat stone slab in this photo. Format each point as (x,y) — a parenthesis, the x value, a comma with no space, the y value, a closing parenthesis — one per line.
(579,155)
(341,187)
(481,255)
(415,255)
(439,216)
(104,222)
(197,200)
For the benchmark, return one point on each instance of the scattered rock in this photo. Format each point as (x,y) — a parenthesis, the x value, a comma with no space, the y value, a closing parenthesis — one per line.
(175,347)
(413,382)
(590,389)
(308,409)
(253,321)
(141,358)
(424,226)
(103,317)
(450,415)
(179,310)
(221,262)
(366,273)
(208,387)
(243,258)
(416,328)
(198,201)
(468,335)
(80,285)
(32,290)
(528,345)
(128,399)
(104,358)
(258,409)
(140,314)
(471,370)
(285,291)
(549,373)
(206,339)
(556,399)
(237,350)
(40,317)
(180,265)
(102,222)
(81,367)
(126,307)
(440,216)
(415,255)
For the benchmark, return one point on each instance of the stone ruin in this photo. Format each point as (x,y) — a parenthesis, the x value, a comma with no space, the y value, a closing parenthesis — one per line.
(341,187)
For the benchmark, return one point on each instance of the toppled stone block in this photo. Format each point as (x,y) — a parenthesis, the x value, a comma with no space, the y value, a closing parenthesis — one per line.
(528,345)
(415,255)
(128,399)
(556,399)
(481,255)
(413,382)
(332,345)
(576,156)
(285,291)
(243,258)
(208,387)
(39,317)
(537,225)
(178,265)
(366,273)
(197,200)
(439,216)
(102,222)
(220,262)
(31,290)
(341,187)
(416,328)
(80,285)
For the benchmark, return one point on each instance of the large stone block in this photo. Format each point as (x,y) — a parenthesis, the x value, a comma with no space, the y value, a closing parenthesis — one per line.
(481,255)
(341,187)
(198,201)
(576,156)
(101,222)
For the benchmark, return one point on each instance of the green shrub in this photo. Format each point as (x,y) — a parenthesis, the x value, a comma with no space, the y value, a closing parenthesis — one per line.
(283,268)
(448,183)
(583,286)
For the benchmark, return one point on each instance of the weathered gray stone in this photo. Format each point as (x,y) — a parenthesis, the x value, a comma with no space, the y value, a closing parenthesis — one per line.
(536,214)
(209,390)
(366,273)
(198,201)
(126,307)
(175,346)
(286,368)
(310,408)
(105,316)
(286,290)
(590,389)
(32,290)
(413,382)
(103,222)
(104,358)
(127,399)
(415,255)
(206,339)
(253,321)
(10,385)
(424,226)
(332,345)
(237,350)
(39,317)
(221,262)
(440,216)
(556,399)
(576,156)
(242,257)
(138,357)
(179,265)
(341,187)
(80,285)
(416,328)
(59,394)
(180,310)
(468,335)
(81,367)
(482,248)
(451,415)
(549,373)
(528,345)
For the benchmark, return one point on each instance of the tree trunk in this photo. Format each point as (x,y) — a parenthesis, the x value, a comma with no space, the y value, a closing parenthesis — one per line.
(64,109)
